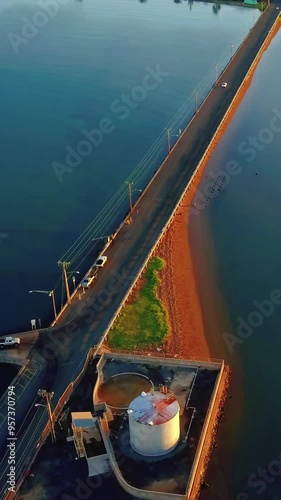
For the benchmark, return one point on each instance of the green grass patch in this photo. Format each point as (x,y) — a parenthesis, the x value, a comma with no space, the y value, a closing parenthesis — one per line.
(144,321)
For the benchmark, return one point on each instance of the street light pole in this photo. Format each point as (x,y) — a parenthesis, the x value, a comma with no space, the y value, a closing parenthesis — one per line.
(108,237)
(71,274)
(48,396)
(169,139)
(64,267)
(51,293)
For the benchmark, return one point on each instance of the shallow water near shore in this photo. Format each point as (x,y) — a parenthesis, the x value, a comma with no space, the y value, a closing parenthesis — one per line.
(216,321)
(237,245)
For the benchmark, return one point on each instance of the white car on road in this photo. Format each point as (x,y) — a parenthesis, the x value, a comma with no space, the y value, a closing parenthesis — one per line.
(224,85)
(87,280)
(101,260)
(9,342)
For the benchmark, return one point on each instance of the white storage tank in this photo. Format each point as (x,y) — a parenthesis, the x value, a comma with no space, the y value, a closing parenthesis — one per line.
(154,423)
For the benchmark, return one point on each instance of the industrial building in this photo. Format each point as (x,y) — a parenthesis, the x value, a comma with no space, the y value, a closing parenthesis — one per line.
(153,416)
(89,443)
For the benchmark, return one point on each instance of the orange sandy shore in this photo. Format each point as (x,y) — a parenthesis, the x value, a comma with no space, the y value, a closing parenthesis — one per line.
(178,291)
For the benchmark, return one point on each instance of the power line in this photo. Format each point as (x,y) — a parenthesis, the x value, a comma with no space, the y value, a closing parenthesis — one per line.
(109,213)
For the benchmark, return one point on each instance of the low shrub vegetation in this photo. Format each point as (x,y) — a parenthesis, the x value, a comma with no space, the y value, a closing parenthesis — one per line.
(143,322)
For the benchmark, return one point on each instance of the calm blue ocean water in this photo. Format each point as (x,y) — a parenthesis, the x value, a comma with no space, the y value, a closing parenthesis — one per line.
(245,225)
(64,79)
(60,73)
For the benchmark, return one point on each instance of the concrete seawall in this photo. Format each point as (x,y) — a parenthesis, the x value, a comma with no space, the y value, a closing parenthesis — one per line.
(196,477)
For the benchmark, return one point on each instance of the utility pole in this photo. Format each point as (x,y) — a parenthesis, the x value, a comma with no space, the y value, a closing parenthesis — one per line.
(64,267)
(130,195)
(48,396)
(52,293)
(196,100)
(169,139)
